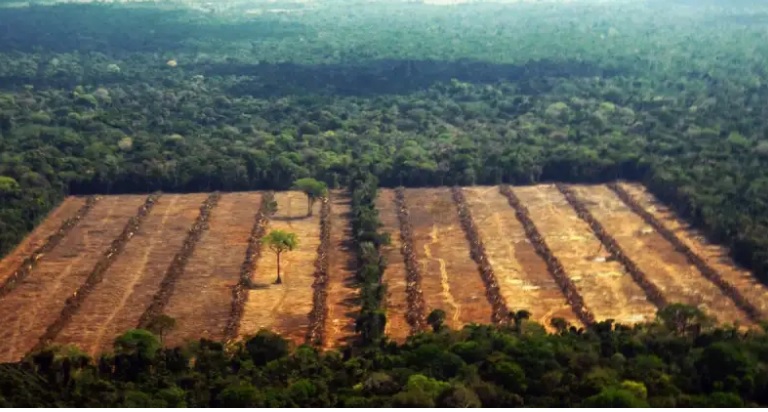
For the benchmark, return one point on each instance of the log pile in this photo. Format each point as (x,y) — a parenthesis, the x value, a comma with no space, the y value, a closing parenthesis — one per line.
(553,263)
(31,261)
(711,274)
(617,253)
(117,246)
(416,307)
(316,330)
(252,255)
(179,262)
(477,251)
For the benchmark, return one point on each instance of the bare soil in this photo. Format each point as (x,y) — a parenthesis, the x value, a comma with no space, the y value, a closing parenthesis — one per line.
(343,304)
(717,256)
(285,308)
(37,302)
(201,301)
(522,275)
(127,289)
(394,275)
(39,236)
(450,278)
(608,291)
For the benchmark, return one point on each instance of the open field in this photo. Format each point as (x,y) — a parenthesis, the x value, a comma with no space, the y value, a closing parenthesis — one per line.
(446,276)
(284,308)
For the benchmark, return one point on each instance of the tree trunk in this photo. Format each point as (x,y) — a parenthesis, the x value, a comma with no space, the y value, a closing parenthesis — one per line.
(279,279)
(310,200)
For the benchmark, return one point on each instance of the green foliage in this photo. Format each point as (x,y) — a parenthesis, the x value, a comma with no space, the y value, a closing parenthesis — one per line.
(137,342)
(279,242)
(614,398)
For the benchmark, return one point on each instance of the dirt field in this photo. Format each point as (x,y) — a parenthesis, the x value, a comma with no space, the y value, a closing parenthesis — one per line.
(39,236)
(342,292)
(665,267)
(608,291)
(450,278)
(127,289)
(285,308)
(715,255)
(27,311)
(202,299)
(394,276)
(523,278)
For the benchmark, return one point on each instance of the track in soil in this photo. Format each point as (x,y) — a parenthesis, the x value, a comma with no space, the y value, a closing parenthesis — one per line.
(201,300)
(522,275)
(127,290)
(285,308)
(450,278)
(608,291)
(39,236)
(394,278)
(343,305)
(37,302)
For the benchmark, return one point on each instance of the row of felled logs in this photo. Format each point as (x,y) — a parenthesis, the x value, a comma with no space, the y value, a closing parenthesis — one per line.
(477,251)
(179,262)
(316,330)
(553,263)
(416,315)
(706,270)
(248,267)
(651,291)
(117,246)
(30,261)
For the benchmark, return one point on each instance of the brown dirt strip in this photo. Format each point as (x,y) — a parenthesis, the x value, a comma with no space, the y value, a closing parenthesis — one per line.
(478,254)
(285,308)
(705,269)
(449,277)
(201,301)
(117,303)
(394,277)
(319,312)
(97,274)
(677,279)
(416,314)
(609,291)
(652,292)
(342,292)
(38,300)
(523,278)
(716,256)
(23,259)
(252,256)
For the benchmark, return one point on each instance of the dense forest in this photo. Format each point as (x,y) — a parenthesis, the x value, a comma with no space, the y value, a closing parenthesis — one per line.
(184,97)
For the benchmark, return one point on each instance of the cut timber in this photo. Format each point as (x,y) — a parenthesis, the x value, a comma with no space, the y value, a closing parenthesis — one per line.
(397,328)
(117,303)
(607,290)
(449,277)
(342,293)
(714,255)
(319,312)
(37,302)
(522,274)
(416,315)
(202,296)
(285,308)
(39,237)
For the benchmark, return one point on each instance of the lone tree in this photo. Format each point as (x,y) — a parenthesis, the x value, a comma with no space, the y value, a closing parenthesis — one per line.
(314,189)
(161,325)
(280,241)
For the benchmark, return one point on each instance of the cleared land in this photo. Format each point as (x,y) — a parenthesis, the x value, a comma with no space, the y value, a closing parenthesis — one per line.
(39,236)
(201,301)
(394,276)
(450,278)
(342,292)
(608,291)
(523,278)
(119,300)
(715,255)
(38,300)
(285,308)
